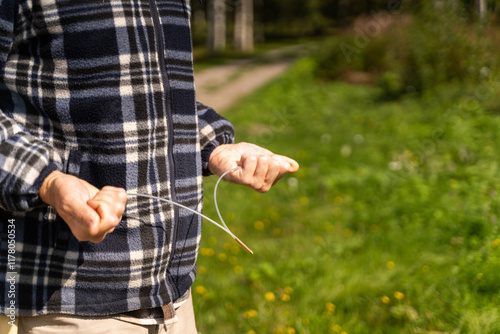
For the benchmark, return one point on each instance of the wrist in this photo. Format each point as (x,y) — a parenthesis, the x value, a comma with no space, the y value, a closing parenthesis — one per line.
(214,159)
(45,189)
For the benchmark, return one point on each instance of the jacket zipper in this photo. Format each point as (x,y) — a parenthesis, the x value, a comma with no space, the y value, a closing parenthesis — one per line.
(166,84)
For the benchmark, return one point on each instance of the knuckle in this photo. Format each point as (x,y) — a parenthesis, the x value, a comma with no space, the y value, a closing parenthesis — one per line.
(250,158)
(275,163)
(258,186)
(119,207)
(263,158)
(262,190)
(113,220)
(121,194)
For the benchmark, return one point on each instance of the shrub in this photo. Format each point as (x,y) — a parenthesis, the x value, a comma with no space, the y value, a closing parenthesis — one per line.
(413,53)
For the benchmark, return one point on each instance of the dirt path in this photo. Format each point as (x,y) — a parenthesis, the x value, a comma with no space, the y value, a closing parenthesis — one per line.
(221,86)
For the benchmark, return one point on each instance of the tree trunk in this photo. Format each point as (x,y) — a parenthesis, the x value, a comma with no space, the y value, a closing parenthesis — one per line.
(243,26)
(343,12)
(259,35)
(216,26)
(481,9)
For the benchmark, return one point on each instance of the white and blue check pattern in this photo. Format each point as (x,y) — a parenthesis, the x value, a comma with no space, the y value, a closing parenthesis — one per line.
(103,90)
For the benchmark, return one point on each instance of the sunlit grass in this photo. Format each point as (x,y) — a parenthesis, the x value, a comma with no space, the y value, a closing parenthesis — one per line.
(390,226)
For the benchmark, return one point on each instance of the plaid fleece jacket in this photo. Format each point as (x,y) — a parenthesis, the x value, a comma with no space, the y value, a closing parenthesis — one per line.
(103,90)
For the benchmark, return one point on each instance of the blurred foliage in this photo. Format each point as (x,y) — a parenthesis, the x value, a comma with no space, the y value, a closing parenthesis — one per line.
(290,19)
(391,225)
(413,53)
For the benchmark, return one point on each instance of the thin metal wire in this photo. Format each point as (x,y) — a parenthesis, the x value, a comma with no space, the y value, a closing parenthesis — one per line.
(223,226)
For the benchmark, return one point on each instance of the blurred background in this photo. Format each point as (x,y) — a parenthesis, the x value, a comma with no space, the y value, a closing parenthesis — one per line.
(392,110)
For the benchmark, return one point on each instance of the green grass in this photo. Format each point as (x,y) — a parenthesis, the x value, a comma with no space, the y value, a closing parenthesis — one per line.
(389,226)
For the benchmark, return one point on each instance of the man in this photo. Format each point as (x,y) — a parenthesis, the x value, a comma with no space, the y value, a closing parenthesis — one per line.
(97,100)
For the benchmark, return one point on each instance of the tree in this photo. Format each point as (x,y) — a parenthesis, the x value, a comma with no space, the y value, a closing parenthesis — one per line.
(216,26)
(243,26)
(481,9)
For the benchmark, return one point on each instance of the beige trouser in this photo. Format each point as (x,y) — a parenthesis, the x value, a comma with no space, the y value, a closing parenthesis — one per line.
(52,324)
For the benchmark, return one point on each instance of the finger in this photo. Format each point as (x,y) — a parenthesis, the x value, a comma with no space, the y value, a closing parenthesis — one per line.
(288,164)
(273,174)
(81,220)
(294,165)
(115,196)
(110,204)
(109,219)
(246,174)
(112,194)
(259,177)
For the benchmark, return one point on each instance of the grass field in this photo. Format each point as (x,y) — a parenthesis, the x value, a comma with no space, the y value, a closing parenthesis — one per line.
(390,226)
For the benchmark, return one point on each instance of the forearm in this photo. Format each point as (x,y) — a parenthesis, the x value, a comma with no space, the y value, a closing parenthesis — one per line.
(90,213)
(25,162)
(214,130)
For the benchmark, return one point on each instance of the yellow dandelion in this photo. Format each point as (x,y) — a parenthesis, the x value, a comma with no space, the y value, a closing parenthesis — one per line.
(453,184)
(238,269)
(285,297)
(200,290)
(290,330)
(344,332)
(390,264)
(206,252)
(337,328)
(278,330)
(385,300)
(330,307)
(305,322)
(259,225)
(233,260)
(479,275)
(399,295)
(288,290)
(250,314)
(202,270)
(251,332)
(495,243)
(222,256)
(269,296)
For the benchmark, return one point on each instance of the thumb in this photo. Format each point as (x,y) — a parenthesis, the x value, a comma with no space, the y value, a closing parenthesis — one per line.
(81,219)
(96,215)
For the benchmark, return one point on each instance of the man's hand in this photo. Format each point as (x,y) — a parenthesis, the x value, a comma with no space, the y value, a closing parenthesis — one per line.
(89,212)
(261,168)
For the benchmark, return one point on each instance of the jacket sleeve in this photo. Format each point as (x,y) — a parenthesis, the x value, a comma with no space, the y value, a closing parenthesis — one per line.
(25,160)
(214,130)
